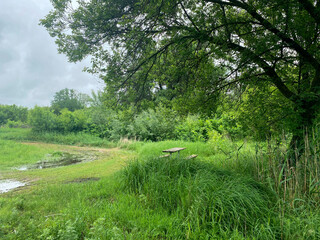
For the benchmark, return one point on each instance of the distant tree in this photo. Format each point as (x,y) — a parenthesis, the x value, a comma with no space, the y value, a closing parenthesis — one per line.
(97,99)
(69,99)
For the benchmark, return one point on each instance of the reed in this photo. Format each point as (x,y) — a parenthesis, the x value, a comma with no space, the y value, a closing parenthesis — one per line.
(291,182)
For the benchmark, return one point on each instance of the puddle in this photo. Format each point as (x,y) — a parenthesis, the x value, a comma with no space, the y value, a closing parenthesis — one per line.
(22,168)
(7,185)
(59,159)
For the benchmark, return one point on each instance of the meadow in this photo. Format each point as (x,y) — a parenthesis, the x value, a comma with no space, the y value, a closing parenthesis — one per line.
(230,191)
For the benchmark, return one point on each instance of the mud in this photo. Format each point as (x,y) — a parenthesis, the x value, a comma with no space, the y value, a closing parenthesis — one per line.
(59,159)
(81,180)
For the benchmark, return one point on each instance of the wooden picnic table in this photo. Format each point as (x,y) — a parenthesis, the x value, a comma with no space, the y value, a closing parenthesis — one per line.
(173,150)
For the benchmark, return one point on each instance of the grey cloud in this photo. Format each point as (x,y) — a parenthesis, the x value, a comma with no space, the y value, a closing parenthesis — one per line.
(31,70)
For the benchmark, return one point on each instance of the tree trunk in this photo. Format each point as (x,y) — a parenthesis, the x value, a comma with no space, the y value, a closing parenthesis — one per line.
(304,124)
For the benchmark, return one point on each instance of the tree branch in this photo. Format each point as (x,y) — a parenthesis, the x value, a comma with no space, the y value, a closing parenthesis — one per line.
(312,10)
(276,80)
(188,16)
(291,43)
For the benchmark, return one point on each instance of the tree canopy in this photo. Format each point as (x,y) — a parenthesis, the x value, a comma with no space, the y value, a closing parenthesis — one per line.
(142,48)
(69,99)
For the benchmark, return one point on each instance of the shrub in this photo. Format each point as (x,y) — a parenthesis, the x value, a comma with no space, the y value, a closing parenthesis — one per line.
(154,125)
(42,119)
(16,124)
(193,129)
(12,113)
(69,121)
(98,121)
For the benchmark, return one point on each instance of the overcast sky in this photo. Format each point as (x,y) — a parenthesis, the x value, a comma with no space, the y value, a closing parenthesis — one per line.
(31,70)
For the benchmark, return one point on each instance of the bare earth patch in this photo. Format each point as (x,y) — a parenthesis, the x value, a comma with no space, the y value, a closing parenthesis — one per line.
(81,180)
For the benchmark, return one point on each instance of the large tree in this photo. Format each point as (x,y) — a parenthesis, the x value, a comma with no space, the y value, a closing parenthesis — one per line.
(271,41)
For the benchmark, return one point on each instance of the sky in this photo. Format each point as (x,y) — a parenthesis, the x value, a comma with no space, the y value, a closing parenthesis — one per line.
(31,70)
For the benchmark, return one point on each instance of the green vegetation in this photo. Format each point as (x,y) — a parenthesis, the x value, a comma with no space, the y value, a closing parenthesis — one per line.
(213,202)
(192,53)
(228,192)
(235,82)
(13,114)
(80,139)
(15,154)
(68,99)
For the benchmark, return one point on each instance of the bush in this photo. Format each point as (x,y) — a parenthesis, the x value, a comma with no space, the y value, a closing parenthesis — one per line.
(154,125)
(42,119)
(16,124)
(69,121)
(13,113)
(193,129)
(98,121)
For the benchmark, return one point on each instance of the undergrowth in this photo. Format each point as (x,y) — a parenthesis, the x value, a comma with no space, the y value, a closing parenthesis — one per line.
(213,203)
(233,190)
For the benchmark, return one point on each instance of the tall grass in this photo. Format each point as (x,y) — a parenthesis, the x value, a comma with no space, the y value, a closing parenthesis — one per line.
(227,169)
(294,183)
(213,202)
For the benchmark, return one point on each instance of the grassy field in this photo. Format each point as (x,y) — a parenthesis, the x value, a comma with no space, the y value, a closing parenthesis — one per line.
(80,139)
(127,192)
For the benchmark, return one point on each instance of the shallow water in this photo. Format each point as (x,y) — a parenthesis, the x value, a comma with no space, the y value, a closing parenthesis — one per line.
(59,159)
(7,185)
(23,168)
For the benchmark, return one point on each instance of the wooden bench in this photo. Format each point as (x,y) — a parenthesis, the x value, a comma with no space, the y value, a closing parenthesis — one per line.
(191,156)
(164,156)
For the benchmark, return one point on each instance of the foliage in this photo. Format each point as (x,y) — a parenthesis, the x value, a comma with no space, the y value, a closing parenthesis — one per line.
(13,113)
(106,123)
(16,124)
(193,129)
(154,125)
(69,99)
(257,113)
(69,121)
(42,119)
(174,46)
(160,123)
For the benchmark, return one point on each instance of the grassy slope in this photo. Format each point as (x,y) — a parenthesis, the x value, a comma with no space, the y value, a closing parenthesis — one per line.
(163,204)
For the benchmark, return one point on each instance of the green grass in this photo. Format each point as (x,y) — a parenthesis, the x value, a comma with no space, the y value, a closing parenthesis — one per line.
(215,196)
(13,154)
(233,156)
(79,139)
(89,210)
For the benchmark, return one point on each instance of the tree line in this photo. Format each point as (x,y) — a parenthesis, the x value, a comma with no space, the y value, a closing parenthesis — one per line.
(72,112)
